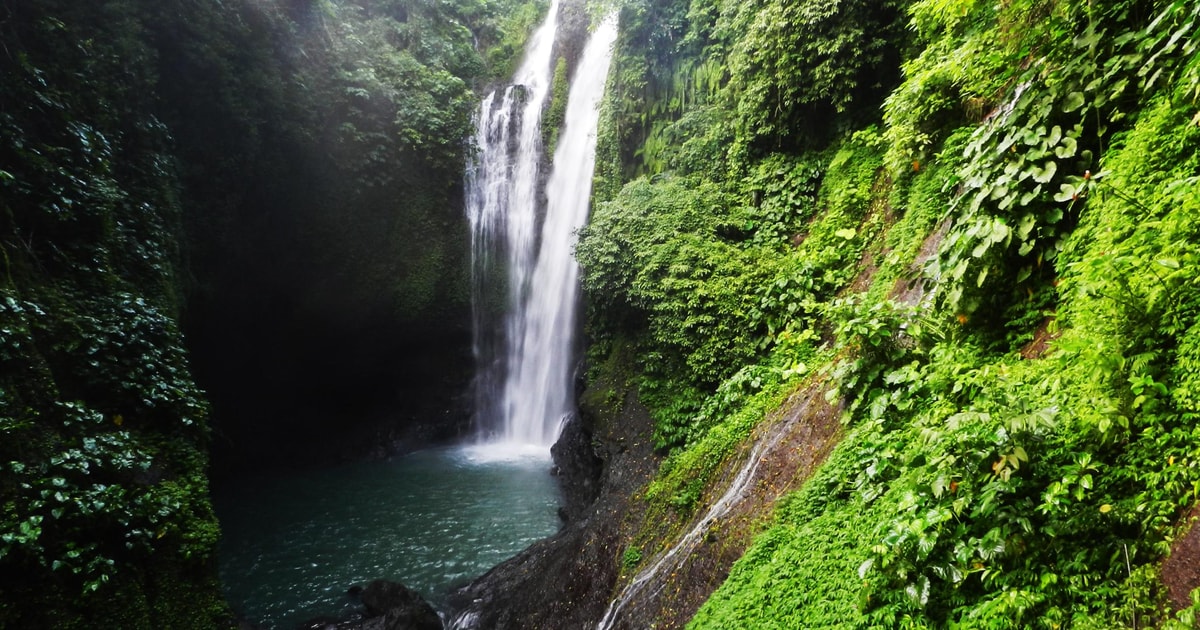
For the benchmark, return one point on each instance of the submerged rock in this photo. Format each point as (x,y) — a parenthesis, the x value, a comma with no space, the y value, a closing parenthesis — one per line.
(389,606)
(399,604)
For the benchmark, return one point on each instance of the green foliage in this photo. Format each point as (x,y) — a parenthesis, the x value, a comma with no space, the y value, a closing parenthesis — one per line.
(404,89)
(1039,162)
(556,111)
(992,491)
(654,254)
(630,559)
(784,195)
(1134,280)
(1026,168)
(717,430)
(794,64)
(714,283)
(976,502)
(502,36)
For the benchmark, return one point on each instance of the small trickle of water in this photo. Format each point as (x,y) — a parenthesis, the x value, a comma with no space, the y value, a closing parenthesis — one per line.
(649,582)
(432,520)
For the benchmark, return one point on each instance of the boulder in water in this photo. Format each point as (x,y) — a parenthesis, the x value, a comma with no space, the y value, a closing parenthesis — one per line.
(393,606)
(390,606)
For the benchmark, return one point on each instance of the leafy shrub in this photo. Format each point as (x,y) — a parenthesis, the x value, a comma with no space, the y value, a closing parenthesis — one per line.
(1026,168)
(794,64)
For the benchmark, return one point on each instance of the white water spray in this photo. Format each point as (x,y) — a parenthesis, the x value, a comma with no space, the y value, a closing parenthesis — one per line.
(524,384)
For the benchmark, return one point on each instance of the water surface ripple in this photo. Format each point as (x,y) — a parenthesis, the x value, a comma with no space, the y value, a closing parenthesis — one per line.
(293,544)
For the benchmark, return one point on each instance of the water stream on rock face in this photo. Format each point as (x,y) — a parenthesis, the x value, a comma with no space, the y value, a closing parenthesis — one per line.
(294,543)
(650,581)
(523,238)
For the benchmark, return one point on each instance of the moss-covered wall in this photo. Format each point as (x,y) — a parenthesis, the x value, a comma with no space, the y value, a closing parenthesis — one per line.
(105,519)
(322,157)
(974,223)
(259,197)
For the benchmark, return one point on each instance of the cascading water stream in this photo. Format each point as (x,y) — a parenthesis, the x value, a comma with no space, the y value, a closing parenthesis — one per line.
(523,386)
(650,581)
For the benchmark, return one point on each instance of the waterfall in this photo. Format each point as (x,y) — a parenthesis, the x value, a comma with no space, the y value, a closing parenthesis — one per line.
(523,239)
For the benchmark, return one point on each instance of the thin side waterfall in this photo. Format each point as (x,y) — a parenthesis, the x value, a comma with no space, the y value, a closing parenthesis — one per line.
(522,240)
(649,582)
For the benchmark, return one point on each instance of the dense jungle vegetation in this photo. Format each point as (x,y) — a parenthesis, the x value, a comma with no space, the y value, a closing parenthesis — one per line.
(974,223)
(279,180)
(978,224)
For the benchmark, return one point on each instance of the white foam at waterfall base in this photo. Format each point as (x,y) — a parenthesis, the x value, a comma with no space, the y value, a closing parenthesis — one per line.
(506,452)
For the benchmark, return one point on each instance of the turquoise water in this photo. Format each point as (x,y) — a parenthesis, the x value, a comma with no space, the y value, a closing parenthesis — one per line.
(432,520)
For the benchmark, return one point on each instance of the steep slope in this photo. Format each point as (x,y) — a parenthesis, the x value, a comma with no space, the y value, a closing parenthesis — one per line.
(104,511)
(994,279)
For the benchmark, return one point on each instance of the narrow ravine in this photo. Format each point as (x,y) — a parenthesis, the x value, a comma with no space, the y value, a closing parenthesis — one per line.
(436,519)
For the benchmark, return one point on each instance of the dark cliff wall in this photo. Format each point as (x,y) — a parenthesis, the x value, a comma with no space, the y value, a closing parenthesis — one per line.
(322,171)
(105,518)
(259,197)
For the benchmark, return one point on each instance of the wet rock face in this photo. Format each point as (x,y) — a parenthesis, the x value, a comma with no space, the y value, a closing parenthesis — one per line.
(578,468)
(399,607)
(573,21)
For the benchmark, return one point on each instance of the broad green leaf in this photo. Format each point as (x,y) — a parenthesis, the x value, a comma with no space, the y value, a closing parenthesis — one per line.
(1067,149)
(1045,174)
(1056,135)
(1066,192)
(1074,101)
(1026,225)
(1000,232)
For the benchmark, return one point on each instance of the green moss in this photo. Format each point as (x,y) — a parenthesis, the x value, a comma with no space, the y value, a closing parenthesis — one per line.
(976,487)
(556,111)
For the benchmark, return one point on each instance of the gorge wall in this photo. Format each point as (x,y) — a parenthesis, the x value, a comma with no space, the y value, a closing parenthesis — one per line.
(260,199)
